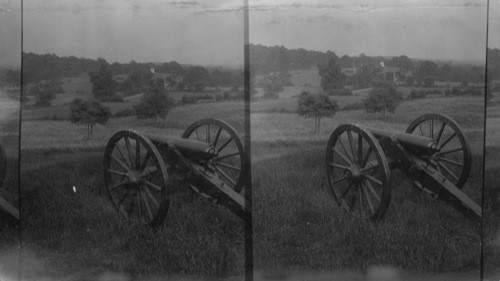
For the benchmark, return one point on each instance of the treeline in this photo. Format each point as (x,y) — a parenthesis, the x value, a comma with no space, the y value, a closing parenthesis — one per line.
(38,68)
(278,58)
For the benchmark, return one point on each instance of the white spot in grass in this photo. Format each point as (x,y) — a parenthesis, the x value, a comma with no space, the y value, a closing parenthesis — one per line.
(74,189)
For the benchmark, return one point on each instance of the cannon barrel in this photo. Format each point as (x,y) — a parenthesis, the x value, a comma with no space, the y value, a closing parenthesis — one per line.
(413,142)
(188,147)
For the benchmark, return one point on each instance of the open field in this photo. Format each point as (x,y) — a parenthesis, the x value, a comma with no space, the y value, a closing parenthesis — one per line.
(298,227)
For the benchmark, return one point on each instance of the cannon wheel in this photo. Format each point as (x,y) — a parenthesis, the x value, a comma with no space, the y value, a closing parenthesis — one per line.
(230,164)
(358,172)
(136,178)
(3,164)
(453,158)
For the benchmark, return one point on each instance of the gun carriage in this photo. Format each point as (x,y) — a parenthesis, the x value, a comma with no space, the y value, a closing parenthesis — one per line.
(139,169)
(433,153)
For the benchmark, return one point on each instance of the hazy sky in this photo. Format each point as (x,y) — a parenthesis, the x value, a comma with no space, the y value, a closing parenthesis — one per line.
(447,30)
(201,32)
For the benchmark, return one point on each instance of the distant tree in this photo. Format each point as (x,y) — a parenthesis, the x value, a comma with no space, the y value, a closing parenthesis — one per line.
(331,75)
(103,85)
(402,62)
(155,104)
(13,78)
(316,106)
(383,98)
(427,72)
(45,91)
(196,78)
(89,114)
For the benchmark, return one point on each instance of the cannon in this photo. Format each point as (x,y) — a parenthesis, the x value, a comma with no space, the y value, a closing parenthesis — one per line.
(11,212)
(433,153)
(140,170)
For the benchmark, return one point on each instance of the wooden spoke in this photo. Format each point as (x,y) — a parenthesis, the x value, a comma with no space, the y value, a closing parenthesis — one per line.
(345,168)
(367,156)
(150,184)
(127,143)
(123,165)
(217,137)
(349,137)
(347,190)
(124,197)
(145,161)
(196,133)
(117,172)
(228,166)
(372,190)
(208,133)
(151,197)
(120,184)
(131,206)
(226,156)
(431,129)
(150,172)
(448,171)
(225,175)
(440,133)
(146,204)
(339,180)
(345,151)
(224,145)
(370,204)
(448,139)
(372,179)
(137,154)
(450,151)
(450,161)
(138,199)
(421,130)
(123,157)
(369,169)
(348,161)
(360,149)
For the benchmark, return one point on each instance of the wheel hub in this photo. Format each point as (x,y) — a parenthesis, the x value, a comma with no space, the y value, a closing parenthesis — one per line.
(133,178)
(355,173)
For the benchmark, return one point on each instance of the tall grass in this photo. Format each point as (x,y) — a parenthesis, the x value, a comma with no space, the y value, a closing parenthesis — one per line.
(80,232)
(297,225)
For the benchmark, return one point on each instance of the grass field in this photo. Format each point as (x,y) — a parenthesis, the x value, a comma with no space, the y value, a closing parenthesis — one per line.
(298,227)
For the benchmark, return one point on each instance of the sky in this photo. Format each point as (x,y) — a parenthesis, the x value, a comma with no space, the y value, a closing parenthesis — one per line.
(201,32)
(440,30)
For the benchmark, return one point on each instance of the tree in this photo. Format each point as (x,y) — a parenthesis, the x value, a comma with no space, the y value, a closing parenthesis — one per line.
(331,75)
(103,85)
(155,104)
(316,106)
(46,91)
(427,72)
(402,62)
(88,113)
(383,98)
(196,78)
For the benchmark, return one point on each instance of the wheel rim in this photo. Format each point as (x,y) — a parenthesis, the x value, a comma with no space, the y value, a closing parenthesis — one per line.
(3,164)
(230,164)
(136,178)
(453,158)
(358,172)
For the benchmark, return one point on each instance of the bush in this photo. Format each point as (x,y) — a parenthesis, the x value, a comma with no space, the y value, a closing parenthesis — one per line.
(341,92)
(186,99)
(353,106)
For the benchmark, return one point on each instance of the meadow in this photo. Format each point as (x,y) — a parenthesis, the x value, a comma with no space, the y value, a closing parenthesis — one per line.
(297,226)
